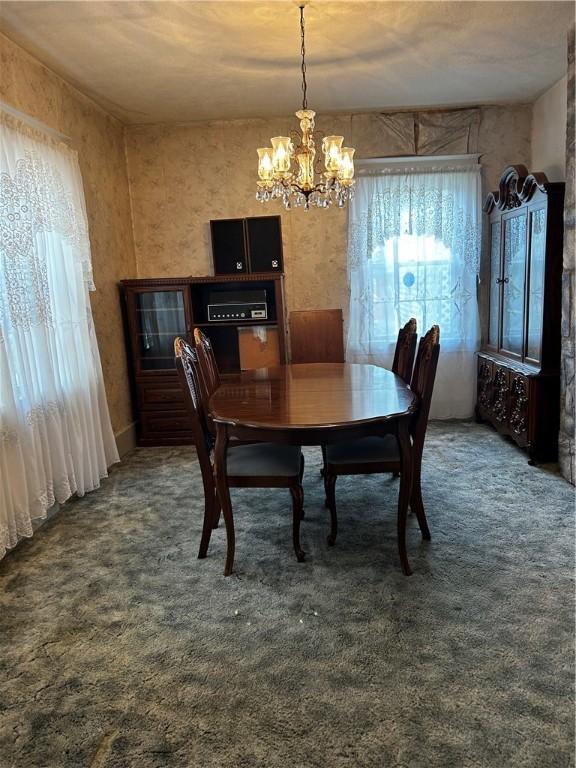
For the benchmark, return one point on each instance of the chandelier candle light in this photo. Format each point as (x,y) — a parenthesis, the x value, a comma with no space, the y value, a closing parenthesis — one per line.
(286,172)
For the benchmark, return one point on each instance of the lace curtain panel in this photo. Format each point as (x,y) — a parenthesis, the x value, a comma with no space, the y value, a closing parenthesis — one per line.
(414,251)
(55,432)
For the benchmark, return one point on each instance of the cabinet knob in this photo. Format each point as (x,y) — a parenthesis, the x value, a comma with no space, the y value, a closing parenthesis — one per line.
(502,280)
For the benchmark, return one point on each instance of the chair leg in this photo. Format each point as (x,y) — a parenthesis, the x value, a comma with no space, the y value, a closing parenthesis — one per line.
(297,502)
(324,462)
(229,523)
(225,504)
(330,489)
(224,496)
(404,493)
(209,510)
(217,511)
(416,503)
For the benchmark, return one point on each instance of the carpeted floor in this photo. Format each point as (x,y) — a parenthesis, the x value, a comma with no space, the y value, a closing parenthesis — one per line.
(119,649)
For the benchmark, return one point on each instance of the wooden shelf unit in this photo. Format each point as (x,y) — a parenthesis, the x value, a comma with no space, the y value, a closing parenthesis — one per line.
(518,379)
(155,312)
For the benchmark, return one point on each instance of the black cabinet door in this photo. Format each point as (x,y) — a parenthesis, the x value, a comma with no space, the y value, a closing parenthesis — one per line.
(229,246)
(264,239)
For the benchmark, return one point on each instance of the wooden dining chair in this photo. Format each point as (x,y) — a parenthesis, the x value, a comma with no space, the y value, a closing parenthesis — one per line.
(405,350)
(402,365)
(209,373)
(374,455)
(254,465)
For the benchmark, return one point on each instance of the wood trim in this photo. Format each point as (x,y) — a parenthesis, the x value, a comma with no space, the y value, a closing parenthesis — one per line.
(516,186)
(154,282)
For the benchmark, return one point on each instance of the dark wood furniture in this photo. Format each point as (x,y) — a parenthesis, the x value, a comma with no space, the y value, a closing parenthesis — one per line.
(378,455)
(316,336)
(224,336)
(158,310)
(259,465)
(208,365)
(519,367)
(405,350)
(314,404)
(247,245)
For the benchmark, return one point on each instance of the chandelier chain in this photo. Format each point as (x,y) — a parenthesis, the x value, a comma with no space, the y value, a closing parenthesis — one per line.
(303,53)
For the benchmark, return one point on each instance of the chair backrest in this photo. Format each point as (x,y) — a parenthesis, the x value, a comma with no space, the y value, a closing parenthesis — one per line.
(316,336)
(188,368)
(405,350)
(422,383)
(209,374)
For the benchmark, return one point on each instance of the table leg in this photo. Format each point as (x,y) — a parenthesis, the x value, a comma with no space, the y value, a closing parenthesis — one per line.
(405,447)
(224,493)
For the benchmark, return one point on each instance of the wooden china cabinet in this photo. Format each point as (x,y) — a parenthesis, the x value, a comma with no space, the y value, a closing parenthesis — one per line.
(158,310)
(519,367)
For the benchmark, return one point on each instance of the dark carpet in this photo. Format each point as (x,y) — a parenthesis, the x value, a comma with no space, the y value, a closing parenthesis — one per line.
(118,648)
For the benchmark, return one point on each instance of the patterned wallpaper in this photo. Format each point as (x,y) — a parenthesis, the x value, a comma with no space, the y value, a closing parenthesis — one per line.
(183,176)
(33,89)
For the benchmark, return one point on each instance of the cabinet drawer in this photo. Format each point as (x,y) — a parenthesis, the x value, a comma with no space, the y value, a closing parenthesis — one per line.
(165,422)
(156,395)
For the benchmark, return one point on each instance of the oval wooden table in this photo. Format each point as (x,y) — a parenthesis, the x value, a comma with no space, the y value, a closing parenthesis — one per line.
(313,404)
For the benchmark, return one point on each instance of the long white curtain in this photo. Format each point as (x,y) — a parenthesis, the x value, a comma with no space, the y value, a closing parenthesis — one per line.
(413,251)
(55,432)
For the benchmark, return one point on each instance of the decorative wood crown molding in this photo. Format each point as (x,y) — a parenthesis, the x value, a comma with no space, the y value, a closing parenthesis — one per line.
(144,282)
(516,186)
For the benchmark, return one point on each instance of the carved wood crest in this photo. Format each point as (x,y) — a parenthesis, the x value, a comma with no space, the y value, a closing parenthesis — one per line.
(516,186)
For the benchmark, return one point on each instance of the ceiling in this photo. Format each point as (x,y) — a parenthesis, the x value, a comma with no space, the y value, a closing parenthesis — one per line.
(172,61)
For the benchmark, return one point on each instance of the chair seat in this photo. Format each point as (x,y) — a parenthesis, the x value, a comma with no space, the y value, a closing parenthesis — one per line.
(263,460)
(364,451)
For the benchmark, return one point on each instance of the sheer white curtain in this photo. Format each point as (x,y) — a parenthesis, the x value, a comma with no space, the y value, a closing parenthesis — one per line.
(413,251)
(55,432)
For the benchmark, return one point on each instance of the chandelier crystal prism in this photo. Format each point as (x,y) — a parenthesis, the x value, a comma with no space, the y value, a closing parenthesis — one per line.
(286,170)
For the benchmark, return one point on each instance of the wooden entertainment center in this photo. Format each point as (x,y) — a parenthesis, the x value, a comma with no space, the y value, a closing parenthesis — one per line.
(158,310)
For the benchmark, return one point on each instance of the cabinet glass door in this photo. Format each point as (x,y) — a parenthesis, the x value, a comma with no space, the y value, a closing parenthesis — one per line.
(536,283)
(494,284)
(160,317)
(513,284)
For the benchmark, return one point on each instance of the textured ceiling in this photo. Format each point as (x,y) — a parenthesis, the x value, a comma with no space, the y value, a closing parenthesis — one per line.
(182,61)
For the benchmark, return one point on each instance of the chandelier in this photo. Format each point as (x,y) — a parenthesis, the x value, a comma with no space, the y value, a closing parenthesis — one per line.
(286,171)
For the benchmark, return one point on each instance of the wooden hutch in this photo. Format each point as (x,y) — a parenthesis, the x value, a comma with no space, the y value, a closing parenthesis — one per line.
(519,366)
(158,310)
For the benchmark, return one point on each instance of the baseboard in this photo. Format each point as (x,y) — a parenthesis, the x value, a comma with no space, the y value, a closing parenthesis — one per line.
(126,439)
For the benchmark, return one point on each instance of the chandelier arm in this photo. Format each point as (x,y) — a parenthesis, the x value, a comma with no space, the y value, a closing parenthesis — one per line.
(318,164)
(303,53)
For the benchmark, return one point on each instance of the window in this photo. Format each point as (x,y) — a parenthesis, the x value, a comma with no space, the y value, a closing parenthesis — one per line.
(55,432)
(411,277)
(413,251)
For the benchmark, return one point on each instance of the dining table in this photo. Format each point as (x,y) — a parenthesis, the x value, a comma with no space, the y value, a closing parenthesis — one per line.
(314,404)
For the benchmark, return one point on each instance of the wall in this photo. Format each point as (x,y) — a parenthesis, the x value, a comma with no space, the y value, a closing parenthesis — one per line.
(183,176)
(549,132)
(33,89)
(568,366)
